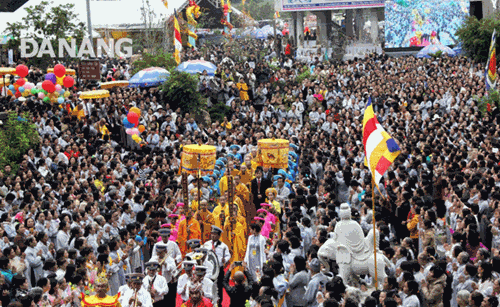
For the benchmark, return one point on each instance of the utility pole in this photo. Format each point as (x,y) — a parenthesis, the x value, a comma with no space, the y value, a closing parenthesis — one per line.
(89,25)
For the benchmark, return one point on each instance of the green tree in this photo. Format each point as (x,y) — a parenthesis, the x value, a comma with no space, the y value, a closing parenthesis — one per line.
(46,21)
(258,9)
(153,38)
(18,134)
(163,59)
(475,36)
(181,91)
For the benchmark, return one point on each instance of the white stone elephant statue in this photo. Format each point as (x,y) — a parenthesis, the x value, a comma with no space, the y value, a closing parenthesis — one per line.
(352,251)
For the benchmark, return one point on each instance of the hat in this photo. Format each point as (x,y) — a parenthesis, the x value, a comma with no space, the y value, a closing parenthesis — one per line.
(101,279)
(152,265)
(136,277)
(188,264)
(262,211)
(315,265)
(233,147)
(272,190)
(194,243)
(160,247)
(258,218)
(171,216)
(294,147)
(200,270)
(216,229)
(167,225)
(265,205)
(180,205)
(164,232)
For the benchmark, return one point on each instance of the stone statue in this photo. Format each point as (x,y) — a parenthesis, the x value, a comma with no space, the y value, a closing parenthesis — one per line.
(352,251)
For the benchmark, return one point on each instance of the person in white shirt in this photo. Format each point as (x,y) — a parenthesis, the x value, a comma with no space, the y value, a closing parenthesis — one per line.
(136,295)
(185,280)
(222,252)
(207,285)
(155,284)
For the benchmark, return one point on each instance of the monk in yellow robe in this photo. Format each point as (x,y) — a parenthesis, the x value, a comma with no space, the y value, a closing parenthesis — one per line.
(222,207)
(241,189)
(206,220)
(188,229)
(193,198)
(235,235)
(246,175)
(243,87)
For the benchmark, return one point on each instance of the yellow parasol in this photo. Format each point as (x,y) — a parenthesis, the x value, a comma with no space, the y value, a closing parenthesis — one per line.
(94,94)
(7,71)
(273,153)
(198,158)
(7,81)
(70,72)
(112,84)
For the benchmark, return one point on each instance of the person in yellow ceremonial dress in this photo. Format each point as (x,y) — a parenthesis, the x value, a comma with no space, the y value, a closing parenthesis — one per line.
(246,173)
(193,199)
(188,229)
(101,299)
(78,112)
(221,207)
(230,171)
(241,189)
(235,234)
(206,220)
(103,129)
(243,87)
(271,194)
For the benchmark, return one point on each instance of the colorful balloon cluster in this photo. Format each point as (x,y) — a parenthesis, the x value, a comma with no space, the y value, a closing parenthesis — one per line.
(50,90)
(131,123)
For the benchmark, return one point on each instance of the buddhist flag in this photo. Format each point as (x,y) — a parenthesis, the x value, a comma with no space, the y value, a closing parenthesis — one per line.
(276,14)
(380,148)
(491,66)
(177,39)
(165,3)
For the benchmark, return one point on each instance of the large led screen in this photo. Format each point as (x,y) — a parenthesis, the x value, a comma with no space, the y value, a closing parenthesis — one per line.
(416,23)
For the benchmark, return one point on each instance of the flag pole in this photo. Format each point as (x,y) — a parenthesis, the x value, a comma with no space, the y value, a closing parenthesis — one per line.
(374,233)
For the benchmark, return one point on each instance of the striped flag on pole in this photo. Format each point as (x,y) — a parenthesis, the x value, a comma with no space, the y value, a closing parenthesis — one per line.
(177,39)
(380,148)
(491,66)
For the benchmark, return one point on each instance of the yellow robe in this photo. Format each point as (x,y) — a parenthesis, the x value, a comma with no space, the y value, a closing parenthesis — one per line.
(206,221)
(243,87)
(242,192)
(237,244)
(216,213)
(246,177)
(182,236)
(194,205)
(95,301)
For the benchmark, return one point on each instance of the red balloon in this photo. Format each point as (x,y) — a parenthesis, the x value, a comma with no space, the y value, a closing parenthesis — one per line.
(59,70)
(133,118)
(18,94)
(48,86)
(21,82)
(68,81)
(22,70)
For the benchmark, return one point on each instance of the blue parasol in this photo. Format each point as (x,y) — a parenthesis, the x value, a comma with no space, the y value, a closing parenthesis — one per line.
(152,76)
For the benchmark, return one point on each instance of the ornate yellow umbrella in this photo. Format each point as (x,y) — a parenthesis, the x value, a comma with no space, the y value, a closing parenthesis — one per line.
(112,84)
(273,153)
(69,71)
(7,71)
(6,82)
(94,94)
(190,155)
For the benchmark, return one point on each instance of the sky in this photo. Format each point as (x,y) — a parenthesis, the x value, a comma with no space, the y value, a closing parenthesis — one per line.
(103,12)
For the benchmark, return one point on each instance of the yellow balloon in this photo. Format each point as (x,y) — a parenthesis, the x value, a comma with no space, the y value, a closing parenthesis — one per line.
(135,110)
(60,80)
(66,94)
(136,138)
(26,93)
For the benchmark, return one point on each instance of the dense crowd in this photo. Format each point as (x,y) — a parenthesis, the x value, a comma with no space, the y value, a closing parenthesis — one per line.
(89,211)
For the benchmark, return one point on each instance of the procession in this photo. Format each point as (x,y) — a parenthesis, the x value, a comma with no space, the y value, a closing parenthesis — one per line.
(370,182)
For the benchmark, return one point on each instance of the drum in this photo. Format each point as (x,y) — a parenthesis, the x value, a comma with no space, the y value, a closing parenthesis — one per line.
(273,153)
(212,257)
(205,154)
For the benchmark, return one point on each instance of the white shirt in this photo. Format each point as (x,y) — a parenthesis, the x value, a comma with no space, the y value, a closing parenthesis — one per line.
(143,296)
(221,250)
(159,284)
(172,250)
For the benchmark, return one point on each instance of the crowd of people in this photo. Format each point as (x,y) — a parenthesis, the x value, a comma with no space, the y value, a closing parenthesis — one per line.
(90,219)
